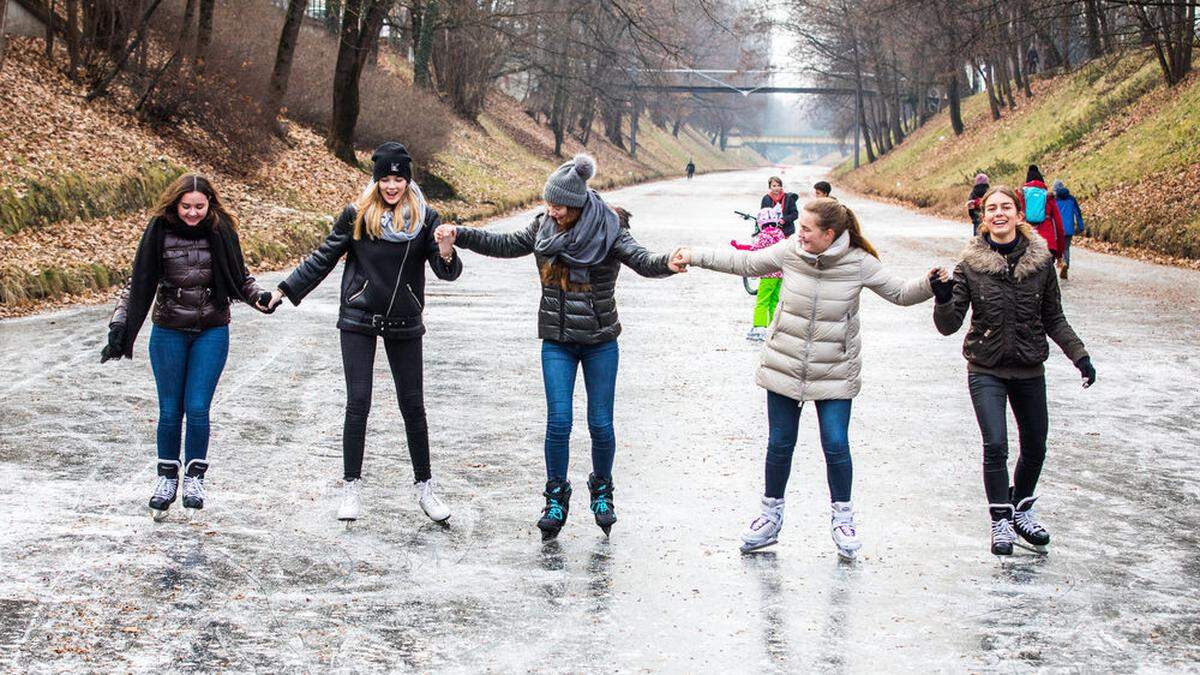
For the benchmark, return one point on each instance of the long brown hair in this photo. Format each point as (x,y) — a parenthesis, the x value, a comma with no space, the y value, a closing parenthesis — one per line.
(370,206)
(833,215)
(1024,228)
(167,205)
(556,274)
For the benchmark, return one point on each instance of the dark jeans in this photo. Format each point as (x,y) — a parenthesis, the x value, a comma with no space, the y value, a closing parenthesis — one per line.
(358,360)
(991,397)
(187,366)
(560,364)
(833,416)
(1067,251)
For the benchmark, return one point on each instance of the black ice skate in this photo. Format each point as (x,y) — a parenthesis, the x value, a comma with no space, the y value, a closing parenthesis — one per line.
(1028,528)
(193,484)
(558,503)
(165,489)
(1003,535)
(601,490)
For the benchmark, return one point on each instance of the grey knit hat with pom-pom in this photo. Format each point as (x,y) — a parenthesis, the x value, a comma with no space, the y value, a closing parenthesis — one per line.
(567,185)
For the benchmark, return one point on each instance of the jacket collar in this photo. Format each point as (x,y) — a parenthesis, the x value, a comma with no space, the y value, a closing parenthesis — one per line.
(1032,253)
(836,250)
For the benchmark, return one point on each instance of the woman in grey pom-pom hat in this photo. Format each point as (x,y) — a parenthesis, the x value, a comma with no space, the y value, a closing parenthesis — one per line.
(579,244)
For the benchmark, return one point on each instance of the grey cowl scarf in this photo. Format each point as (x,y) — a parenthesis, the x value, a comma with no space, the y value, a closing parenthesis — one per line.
(584,245)
(387,223)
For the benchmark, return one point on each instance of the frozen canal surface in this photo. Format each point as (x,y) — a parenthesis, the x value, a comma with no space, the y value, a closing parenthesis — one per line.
(266,580)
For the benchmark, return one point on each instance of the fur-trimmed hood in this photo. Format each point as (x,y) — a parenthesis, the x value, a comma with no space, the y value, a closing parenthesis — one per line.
(982,258)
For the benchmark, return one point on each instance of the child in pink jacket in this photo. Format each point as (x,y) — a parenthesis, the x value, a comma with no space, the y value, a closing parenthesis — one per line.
(768,234)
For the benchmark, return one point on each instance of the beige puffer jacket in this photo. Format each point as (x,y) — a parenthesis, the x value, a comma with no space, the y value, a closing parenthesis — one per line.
(812,349)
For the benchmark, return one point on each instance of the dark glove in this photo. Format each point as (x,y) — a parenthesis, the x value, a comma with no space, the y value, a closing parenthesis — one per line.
(116,343)
(1087,371)
(264,300)
(942,290)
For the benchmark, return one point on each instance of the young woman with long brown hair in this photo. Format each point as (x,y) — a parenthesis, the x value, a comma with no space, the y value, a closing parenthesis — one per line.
(189,266)
(1006,278)
(812,350)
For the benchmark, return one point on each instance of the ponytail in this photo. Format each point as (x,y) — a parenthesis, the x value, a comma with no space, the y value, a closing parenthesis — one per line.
(833,215)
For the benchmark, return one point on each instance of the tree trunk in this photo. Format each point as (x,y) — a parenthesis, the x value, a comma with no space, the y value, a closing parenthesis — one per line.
(989,81)
(203,34)
(50,7)
(283,57)
(635,117)
(357,36)
(424,20)
(72,38)
(675,126)
(956,121)
(1092,22)
(3,35)
(101,85)
(185,31)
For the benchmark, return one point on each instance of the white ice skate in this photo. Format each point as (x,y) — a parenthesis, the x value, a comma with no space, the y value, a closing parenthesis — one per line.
(841,527)
(757,334)
(351,501)
(764,530)
(433,507)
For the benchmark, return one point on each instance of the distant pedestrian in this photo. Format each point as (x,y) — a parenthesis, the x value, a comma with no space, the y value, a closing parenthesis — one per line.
(822,189)
(1032,60)
(189,265)
(1072,219)
(1041,211)
(691,169)
(975,202)
(785,201)
(1006,278)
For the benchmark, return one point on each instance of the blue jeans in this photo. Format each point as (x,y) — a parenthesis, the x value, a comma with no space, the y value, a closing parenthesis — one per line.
(560,363)
(186,368)
(1067,251)
(833,416)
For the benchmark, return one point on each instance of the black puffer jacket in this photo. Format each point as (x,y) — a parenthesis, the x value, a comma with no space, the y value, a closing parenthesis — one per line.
(184,300)
(790,211)
(584,316)
(383,284)
(1015,304)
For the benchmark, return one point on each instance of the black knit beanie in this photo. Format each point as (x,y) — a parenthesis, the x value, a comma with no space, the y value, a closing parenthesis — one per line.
(392,159)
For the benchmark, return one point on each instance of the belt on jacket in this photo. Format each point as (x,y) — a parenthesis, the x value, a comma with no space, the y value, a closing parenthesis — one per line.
(381,322)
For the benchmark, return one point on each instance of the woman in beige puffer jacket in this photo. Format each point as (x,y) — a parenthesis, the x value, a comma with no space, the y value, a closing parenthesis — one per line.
(812,352)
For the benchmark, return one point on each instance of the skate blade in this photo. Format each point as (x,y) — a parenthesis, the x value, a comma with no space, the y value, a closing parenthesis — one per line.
(1041,550)
(847,556)
(606,529)
(751,548)
(445,523)
(548,535)
(158,516)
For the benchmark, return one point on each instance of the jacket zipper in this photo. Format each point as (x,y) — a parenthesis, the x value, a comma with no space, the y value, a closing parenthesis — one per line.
(414,297)
(812,320)
(399,274)
(360,292)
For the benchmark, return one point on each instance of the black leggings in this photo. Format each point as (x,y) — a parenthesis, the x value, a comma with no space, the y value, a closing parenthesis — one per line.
(358,360)
(991,396)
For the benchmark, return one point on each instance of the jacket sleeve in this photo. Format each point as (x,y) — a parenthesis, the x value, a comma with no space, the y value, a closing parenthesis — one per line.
(637,258)
(122,310)
(948,316)
(441,269)
(1079,226)
(250,289)
(313,270)
(765,202)
(742,263)
(892,288)
(1055,321)
(496,245)
(790,209)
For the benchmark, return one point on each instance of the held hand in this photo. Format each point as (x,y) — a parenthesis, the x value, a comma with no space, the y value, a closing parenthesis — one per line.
(680,259)
(116,343)
(941,284)
(266,302)
(445,233)
(1087,371)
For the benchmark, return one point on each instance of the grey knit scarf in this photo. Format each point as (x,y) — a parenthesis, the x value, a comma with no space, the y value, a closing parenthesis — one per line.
(584,245)
(400,234)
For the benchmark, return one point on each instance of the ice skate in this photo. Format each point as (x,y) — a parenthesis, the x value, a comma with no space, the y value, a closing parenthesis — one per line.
(165,489)
(351,501)
(1028,528)
(757,334)
(764,530)
(433,507)
(193,484)
(558,504)
(602,503)
(1003,535)
(841,527)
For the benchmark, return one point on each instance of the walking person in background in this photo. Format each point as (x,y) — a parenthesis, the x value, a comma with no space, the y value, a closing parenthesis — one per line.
(975,202)
(189,265)
(822,190)
(1006,278)
(813,350)
(387,238)
(691,169)
(785,201)
(767,297)
(1072,219)
(1041,211)
(578,243)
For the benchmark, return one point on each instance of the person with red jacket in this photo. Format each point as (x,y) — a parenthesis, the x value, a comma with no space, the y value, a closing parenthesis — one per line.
(1042,213)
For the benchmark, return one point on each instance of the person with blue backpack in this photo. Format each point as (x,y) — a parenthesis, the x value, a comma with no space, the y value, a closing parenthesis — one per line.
(1042,212)
(1072,219)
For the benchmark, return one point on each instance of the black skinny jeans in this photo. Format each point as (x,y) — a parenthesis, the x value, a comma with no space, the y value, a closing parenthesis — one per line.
(358,360)
(991,396)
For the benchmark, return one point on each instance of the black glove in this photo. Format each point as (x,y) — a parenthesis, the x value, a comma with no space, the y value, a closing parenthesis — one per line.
(116,343)
(942,290)
(264,299)
(1087,371)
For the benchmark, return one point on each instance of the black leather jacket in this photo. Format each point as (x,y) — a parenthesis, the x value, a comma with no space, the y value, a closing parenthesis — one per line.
(585,316)
(383,284)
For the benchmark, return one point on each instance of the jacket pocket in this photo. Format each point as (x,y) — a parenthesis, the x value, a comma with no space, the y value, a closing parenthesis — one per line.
(411,294)
(846,333)
(360,291)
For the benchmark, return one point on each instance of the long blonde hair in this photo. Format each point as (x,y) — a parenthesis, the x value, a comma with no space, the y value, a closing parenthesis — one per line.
(833,215)
(369,208)
(1023,227)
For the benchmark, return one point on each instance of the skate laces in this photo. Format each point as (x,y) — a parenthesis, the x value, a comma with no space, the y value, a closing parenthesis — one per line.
(165,488)
(193,486)
(1027,522)
(554,509)
(1002,531)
